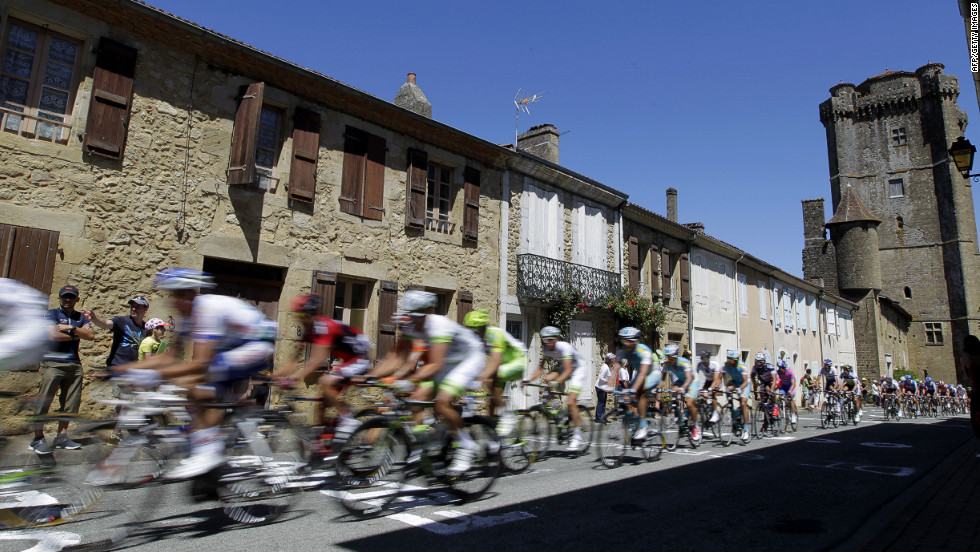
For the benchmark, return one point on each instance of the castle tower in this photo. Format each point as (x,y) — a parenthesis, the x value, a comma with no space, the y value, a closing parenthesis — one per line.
(854,233)
(887,141)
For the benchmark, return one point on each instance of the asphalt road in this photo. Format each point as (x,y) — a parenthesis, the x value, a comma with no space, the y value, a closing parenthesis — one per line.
(811,490)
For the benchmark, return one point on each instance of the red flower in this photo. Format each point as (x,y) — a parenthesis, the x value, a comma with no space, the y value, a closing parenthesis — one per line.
(584,309)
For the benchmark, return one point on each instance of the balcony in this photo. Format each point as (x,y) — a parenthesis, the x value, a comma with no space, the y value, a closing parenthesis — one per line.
(536,275)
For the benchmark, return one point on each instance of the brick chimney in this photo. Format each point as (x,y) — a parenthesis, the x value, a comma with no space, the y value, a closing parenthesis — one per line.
(411,98)
(671,204)
(541,140)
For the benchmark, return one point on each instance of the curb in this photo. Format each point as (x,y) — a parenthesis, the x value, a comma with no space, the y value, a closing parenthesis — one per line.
(15,453)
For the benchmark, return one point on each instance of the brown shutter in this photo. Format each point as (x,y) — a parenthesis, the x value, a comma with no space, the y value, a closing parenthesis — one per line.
(374,178)
(352,180)
(654,271)
(241,162)
(418,162)
(464,304)
(666,271)
(306,150)
(634,263)
(325,284)
(387,303)
(112,98)
(685,279)
(471,204)
(28,255)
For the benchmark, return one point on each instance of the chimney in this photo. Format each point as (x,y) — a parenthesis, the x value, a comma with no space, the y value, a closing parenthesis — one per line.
(411,98)
(696,226)
(541,140)
(671,204)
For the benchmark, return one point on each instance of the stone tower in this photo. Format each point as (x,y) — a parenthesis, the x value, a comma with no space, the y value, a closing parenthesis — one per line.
(887,140)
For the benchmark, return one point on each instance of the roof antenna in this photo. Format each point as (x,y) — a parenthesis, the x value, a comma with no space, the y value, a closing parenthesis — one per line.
(521,105)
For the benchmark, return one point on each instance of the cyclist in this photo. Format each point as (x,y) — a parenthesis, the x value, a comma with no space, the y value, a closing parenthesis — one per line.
(682,380)
(23,326)
(929,389)
(573,368)
(829,378)
(454,358)
(646,373)
(763,373)
(328,339)
(786,383)
(506,362)
(735,376)
(230,340)
(890,385)
(705,370)
(850,383)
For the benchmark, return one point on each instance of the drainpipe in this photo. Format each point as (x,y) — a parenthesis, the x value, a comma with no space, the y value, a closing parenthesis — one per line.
(738,305)
(690,309)
(820,329)
(504,245)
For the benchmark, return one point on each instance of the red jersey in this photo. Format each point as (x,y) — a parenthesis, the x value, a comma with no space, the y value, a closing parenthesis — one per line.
(346,343)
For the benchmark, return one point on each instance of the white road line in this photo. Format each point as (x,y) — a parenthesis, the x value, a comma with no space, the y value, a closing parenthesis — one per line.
(462,521)
(47,541)
(23,499)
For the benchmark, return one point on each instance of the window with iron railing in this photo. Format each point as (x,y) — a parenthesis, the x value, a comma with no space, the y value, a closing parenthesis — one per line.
(439,199)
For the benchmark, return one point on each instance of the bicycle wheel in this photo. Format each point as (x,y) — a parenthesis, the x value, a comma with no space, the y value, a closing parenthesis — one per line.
(654,444)
(371,468)
(835,413)
(589,427)
(613,438)
(670,428)
(825,414)
(43,495)
(726,425)
(759,427)
(486,465)
(537,432)
(515,455)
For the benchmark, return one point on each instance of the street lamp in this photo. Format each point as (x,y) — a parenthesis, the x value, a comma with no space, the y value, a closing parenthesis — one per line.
(962,153)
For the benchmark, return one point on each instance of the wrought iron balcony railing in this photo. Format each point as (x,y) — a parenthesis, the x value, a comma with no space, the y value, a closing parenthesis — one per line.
(536,275)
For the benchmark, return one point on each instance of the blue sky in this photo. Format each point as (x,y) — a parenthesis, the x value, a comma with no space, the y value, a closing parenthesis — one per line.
(717,99)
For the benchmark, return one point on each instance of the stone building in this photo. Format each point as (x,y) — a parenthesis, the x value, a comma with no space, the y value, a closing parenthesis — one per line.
(908,230)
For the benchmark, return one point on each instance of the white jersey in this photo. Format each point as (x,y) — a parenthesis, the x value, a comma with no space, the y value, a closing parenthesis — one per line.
(227,321)
(602,382)
(23,326)
(463,342)
(706,372)
(564,350)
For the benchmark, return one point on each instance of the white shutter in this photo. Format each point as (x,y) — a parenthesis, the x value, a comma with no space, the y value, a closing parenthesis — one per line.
(787,301)
(597,237)
(811,304)
(839,321)
(800,311)
(763,300)
(743,295)
(831,322)
(777,308)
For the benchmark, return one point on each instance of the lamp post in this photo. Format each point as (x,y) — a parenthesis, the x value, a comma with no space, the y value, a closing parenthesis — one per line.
(962,153)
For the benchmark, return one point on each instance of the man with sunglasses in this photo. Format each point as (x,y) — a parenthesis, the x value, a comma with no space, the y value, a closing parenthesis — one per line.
(644,373)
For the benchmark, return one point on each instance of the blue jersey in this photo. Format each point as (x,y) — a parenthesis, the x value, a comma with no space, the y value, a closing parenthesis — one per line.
(640,355)
(735,372)
(678,369)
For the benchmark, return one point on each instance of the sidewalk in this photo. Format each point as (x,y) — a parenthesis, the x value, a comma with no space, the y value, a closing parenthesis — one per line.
(944,515)
(15,452)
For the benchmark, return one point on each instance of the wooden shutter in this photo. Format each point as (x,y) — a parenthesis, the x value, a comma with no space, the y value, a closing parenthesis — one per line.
(28,255)
(387,303)
(352,180)
(464,304)
(241,162)
(665,271)
(112,98)
(634,263)
(374,178)
(306,150)
(471,204)
(325,284)
(654,271)
(685,279)
(418,162)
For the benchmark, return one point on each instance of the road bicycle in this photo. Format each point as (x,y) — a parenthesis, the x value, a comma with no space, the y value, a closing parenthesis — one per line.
(830,409)
(387,450)
(551,417)
(515,451)
(674,423)
(785,421)
(730,422)
(617,429)
(766,414)
(705,410)
(848,412)
(889,406)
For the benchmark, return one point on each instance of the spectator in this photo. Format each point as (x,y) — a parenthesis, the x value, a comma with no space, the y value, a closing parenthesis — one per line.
(970,361)
(127,331)
(602,386)
(61,372)
(151,344)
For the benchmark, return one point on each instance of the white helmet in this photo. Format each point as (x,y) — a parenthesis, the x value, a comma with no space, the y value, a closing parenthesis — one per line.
(760,356)
(416,300)
(732,354)
(550,332)
(672,350)
(182,278)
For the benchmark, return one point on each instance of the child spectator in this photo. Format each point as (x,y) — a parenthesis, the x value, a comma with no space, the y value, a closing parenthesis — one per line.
(602,385)
(151,345)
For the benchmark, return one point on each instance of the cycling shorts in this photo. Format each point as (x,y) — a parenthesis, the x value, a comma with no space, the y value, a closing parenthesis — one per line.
(653,379)
(455,377)
(785,388)
(510,371)
(579,379)
(243,361)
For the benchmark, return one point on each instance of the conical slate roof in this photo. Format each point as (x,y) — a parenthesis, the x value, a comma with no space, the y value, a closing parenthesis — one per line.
(850,209)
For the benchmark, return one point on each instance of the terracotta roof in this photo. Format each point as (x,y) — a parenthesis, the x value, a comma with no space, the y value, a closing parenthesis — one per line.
(850,209)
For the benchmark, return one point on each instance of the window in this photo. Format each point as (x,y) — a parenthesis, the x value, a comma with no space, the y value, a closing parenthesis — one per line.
(700,281)
(28,255)
(267,148)
(898,137)
(38,79)
(516,329)
(934,333)
(896,187)
(439,199)
(900,222)
(363,180)
(830,321)
(763,300)
(787,302)
(908,292)
(743,295)
(350,302)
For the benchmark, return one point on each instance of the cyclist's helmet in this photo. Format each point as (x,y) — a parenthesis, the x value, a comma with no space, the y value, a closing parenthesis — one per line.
(760,357)
(705,354)
(417,300)
(629,332)
(307,303)
(182,278)
(671,350)
(781,364)
(476,318)
(550,332)
(732,354)
(827,362)
(401,318)
(927,378)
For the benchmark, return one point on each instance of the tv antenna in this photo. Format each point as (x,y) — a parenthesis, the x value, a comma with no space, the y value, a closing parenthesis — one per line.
(521,105)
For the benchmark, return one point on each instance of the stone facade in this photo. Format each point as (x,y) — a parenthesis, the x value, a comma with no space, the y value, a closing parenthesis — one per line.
(888,140)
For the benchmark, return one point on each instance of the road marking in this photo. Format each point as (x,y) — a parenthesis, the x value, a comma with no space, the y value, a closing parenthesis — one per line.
(23,499)
(896,471)
(462,521)
(822,440)
(886,445)
(47,541)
